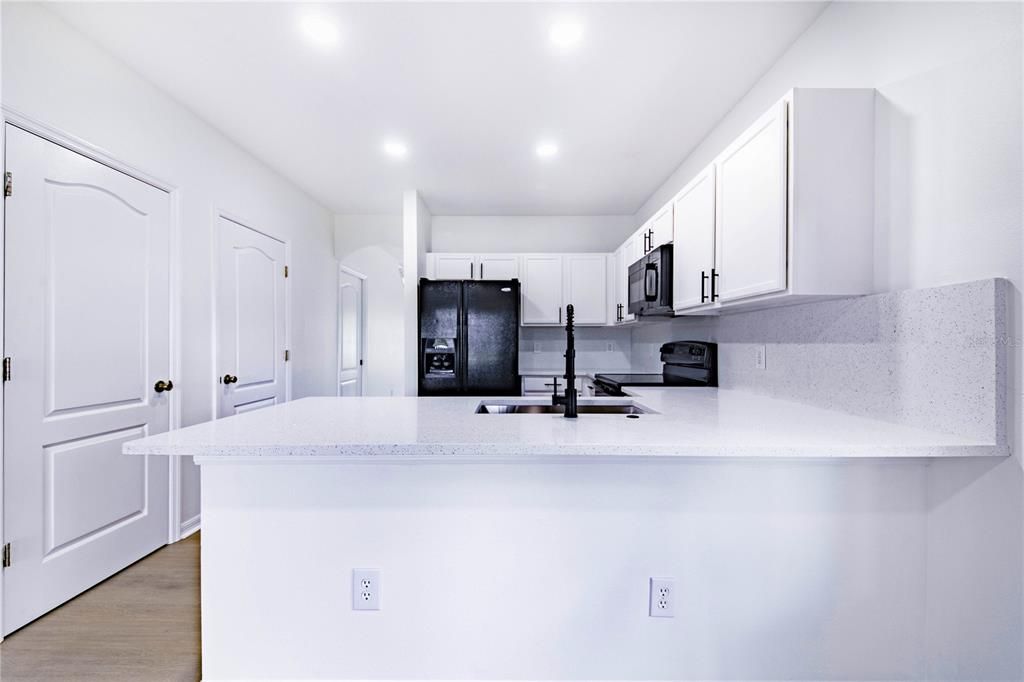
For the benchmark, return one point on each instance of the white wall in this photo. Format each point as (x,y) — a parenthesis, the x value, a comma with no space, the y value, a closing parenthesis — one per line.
(538,570)
(55,75)
(524,234)
(372,246)
(948,209)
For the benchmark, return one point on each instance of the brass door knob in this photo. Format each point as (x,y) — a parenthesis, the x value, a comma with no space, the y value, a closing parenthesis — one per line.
(229,379)
(162,386)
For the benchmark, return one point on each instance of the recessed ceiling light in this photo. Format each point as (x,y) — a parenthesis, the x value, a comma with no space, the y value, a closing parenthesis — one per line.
(395,149)
(566,34)
(547,150)
(319,30)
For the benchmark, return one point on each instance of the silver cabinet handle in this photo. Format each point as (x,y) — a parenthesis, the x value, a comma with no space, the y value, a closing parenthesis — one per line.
(559,314)
(481,271)
(471,265)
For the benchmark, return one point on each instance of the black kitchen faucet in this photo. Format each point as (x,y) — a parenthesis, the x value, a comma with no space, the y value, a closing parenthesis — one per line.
(569,399)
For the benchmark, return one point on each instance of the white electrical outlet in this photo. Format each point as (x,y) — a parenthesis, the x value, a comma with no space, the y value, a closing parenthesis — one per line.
(662,598)
(366,589)
(760,359)
(611,347)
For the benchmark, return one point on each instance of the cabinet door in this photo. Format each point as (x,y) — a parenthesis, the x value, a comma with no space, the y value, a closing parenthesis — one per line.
(661,227)
(542,289)
(643,241)
(693,249)
(454,266)
(751,210)
(586,287)
(624,257)
(495,266)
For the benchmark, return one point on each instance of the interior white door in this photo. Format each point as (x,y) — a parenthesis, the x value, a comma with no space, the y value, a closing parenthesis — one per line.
(586,287)
(542,289)
(494,266)
(250,319)
(350,335)
(751,210)
(454,266)
(87,325)
(694,246)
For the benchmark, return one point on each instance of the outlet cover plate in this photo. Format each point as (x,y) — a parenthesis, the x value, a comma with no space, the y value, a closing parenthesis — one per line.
(662,602)
(366,589)
(760,357)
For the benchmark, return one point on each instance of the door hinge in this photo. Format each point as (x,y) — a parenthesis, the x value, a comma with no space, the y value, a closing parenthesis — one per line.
(8,184)
(287,355)
(7,368)
(7,555)
(286,271)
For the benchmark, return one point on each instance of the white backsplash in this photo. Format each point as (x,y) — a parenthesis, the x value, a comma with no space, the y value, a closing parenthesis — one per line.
(934,358)
(597,348)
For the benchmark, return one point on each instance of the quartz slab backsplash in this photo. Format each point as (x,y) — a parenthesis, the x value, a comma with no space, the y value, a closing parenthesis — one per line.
(934,358)
(597,348)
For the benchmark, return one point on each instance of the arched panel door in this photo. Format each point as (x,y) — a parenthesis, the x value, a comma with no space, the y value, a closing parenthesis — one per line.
(250,319)
(350,335)
(87,327)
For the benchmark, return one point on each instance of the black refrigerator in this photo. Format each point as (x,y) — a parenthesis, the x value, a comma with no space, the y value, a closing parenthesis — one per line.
(469,337)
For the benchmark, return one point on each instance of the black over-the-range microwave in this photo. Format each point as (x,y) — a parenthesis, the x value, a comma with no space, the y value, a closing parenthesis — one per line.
(650,283)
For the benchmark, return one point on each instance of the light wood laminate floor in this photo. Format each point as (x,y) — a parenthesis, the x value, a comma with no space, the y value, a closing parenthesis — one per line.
(141,624)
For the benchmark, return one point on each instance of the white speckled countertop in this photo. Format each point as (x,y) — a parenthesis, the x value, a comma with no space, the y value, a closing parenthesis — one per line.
(688,422)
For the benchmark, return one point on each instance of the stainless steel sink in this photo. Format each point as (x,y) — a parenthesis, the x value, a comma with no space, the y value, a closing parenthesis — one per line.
(547,408)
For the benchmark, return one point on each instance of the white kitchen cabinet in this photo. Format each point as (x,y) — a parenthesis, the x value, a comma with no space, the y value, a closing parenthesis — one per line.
(627,254)
(793,209)
(551,281)
(472,266)
(452,266)
(585,287)
(751,210)
(661,227)
(542,284)
(497,266)
(693,251)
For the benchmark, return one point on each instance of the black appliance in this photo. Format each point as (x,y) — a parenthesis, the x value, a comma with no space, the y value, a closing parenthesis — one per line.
(686,363)
(469,337)
(650,283)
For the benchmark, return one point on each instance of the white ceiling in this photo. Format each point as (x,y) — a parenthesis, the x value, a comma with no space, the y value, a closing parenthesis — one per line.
(470,87)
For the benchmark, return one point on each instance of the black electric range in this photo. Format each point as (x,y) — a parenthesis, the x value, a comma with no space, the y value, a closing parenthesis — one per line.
(686,363)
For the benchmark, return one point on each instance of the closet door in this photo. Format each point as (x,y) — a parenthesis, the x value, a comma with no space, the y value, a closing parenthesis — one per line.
(87,328)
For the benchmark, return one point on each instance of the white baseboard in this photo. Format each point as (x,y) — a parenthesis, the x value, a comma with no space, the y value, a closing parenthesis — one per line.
(188,527)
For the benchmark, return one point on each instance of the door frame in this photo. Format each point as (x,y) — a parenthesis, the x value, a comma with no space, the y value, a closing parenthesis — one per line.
(215,242)
(342,269)
(100,155)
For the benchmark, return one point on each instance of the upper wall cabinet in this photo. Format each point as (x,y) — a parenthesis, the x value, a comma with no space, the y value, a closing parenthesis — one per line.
(661,228)
(472,266)
(585,287)
(627,254)
(552,281)
(787,210)
(542,289)
(750,235)
(693,249)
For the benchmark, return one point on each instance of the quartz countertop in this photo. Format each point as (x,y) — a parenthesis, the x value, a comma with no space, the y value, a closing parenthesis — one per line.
(684,422)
